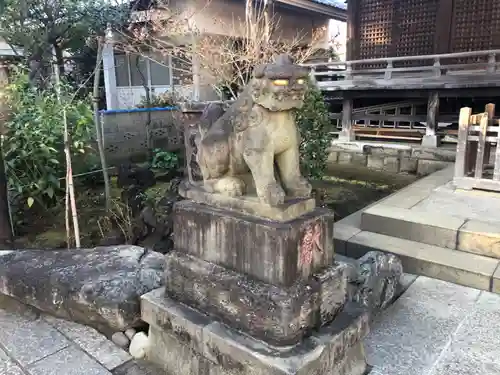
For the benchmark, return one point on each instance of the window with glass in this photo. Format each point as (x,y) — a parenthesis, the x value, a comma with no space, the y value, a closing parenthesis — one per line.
(135,70)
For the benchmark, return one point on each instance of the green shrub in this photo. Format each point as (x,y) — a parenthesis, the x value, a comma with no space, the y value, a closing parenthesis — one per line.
(33,145)
(163,100)
(315,130)
(165,160)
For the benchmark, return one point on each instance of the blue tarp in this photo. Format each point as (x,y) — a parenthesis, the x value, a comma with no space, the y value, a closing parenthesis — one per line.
(134,110)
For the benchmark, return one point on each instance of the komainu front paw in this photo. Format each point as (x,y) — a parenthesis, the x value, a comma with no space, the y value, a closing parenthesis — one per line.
(272,194)
(300,188)
(230,186)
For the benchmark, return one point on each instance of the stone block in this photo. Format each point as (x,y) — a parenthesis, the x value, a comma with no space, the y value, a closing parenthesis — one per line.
(333,157)
(335,350)
(382,151)
(175,318)
(341,234)
(421,226)
(420,259)
(169,352)
(345,157)
(495,284)
(375,162)
(267,250)
(281,316)
(251,204)
(480,237)
(426,167)
(69,361)
(359,159)
(408,165)
(436,154)
(391,164)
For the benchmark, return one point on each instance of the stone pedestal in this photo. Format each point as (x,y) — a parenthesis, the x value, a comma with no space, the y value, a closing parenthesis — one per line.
(249,295)
(185,341)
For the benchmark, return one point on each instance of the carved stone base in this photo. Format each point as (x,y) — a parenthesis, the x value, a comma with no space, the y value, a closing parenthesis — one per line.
(250,205)
(279,316)
(185,341)
(274,252)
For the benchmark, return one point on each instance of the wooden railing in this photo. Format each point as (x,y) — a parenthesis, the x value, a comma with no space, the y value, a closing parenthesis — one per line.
(451,68)
(476,135)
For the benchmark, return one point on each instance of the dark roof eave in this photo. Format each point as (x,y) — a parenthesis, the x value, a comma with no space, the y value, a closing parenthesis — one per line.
(331,11)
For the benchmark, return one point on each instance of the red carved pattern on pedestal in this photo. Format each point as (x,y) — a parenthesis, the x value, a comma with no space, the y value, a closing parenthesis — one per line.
(311,242)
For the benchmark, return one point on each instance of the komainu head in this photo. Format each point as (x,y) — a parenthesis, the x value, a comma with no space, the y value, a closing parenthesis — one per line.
(279,86)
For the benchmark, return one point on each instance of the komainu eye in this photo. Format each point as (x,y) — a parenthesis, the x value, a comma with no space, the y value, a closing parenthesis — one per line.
(280,82)
(300,81)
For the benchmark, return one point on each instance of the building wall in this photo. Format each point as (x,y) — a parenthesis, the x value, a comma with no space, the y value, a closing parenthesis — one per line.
(226,17)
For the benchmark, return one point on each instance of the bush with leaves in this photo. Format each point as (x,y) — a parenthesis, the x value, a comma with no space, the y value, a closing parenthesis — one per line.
(163,100)
(34,140)
(315,130)
(164,160)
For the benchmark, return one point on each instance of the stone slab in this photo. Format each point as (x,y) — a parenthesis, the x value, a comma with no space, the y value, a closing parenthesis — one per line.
(480,237)
(409,337)
(28,339)
(251,205)
(99,287)
(474,348)
(69,361)
(7,366)
(495,284)
(138,367)
(467,205)
(280,316)
(407,198)
(269,251)
(433,228)
(421,259)
(92,342)
(219,350)
(341,234)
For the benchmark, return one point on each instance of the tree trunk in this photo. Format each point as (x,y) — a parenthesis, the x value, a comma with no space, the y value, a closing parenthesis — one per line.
(59,59)
(5,223)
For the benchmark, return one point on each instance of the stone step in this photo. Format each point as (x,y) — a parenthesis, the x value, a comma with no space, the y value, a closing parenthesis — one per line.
(439,229)
(458,267)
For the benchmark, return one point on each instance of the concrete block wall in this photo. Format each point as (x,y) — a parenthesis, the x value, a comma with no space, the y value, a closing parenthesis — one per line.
(126,132)
(392,158)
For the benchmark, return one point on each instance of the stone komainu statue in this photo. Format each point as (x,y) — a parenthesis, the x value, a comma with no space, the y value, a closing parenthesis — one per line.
(256,134)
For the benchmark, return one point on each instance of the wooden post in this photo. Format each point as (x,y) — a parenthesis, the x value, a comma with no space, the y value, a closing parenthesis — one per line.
(347,133)
(352,30)
(481,142)
(490,110)
(430,138)
(463,131)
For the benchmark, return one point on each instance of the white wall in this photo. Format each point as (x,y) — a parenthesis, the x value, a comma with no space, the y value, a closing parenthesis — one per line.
(338,33)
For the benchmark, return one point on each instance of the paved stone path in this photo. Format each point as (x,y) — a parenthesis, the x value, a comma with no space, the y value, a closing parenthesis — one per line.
(35,344)
(434,328)
(437,328)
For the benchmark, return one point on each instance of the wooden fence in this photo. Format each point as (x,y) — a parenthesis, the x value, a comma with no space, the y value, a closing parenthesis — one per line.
(477,134)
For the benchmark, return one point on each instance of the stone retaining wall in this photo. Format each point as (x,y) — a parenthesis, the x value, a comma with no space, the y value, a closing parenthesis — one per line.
(392,158)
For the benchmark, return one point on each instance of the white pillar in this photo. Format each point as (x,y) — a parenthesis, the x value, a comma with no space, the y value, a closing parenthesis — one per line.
(195,64)
(108,64)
